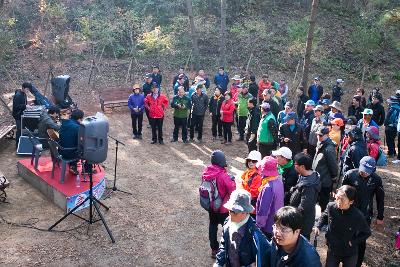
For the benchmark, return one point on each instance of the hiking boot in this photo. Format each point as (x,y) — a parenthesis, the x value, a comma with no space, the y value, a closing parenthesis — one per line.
(214,253)
(153,142)
(134,136)
(161,142)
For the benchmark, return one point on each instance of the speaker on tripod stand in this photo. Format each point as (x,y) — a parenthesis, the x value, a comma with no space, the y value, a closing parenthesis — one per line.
(93,146)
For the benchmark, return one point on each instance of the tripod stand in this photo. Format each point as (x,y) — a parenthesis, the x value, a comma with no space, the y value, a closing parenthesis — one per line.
(114,188)
(93,202)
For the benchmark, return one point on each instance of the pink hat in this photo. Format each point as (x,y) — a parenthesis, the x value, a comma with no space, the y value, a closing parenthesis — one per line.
(268,166)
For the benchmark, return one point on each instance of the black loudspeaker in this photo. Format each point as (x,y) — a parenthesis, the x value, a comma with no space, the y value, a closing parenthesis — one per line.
(93,139)
(60,88)
(31,122)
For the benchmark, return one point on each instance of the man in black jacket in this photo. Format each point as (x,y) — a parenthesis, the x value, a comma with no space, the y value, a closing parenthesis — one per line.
(253,120)
(199,108)
(185,79)
(379,111)
(291,134)
(19,105)
(214,106)
(302,99)
(253,87)
(267,98)
(326,164)
(368,185)
(356,151)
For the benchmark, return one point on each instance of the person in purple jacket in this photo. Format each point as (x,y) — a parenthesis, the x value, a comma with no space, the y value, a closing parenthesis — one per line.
(136,105)
(271,196)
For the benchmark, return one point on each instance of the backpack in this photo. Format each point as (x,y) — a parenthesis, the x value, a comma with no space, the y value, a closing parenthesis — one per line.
(382,158)
(210,199)
(392,117)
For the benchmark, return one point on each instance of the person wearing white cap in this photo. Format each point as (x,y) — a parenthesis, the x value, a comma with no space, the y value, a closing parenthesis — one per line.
(287,170)
(242,242)
(251,178)
(337,90)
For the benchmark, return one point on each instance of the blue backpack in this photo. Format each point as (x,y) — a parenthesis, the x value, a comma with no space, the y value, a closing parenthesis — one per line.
(392,116)
(382,158)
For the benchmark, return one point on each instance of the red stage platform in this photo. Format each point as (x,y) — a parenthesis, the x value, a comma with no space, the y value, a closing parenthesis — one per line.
(66,195)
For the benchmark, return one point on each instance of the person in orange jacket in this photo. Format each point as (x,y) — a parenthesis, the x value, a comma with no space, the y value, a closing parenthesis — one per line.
(251,178)
(156,103)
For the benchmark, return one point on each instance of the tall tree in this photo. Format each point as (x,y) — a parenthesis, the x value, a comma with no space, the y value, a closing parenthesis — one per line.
(193,33)
(310,36)
(222,41)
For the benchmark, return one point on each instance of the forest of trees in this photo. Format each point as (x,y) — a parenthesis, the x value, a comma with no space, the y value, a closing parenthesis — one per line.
(356,37)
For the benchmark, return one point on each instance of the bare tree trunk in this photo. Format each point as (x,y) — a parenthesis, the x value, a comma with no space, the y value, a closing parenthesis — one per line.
(222,41)
(310,36)
(193,33)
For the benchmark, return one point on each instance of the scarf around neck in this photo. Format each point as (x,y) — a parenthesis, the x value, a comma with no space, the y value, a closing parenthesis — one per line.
(266,180)
(282,168)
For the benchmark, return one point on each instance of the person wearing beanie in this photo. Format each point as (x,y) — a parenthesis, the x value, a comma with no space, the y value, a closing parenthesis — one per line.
(217,172)
(271,194)
(227,116)
(214,106)
(136,106)
(242,242)
(267,131)
(286,168)
(369,187)
(291,134)
(373,142)
(304,194)
(251,178)
(355,109)
(252,122)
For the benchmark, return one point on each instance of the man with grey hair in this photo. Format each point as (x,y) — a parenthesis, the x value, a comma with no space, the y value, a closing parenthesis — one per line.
(242,242)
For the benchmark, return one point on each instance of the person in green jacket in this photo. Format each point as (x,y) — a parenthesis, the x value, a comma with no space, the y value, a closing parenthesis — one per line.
(242,111)
(267,131)
(181,105)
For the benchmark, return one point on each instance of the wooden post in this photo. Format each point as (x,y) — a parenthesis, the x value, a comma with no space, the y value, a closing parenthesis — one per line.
(222,38)
(193,33)
(248,62)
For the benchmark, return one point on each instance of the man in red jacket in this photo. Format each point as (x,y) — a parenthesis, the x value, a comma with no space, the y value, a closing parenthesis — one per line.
(156,103)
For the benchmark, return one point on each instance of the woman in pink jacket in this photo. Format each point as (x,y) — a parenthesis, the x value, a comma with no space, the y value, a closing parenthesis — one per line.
(227,114)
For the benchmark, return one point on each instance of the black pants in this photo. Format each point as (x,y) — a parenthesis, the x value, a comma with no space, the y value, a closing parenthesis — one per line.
(180,123)
(266,149)
(215,219)
(197,122)
(391,133)
(227,126)
(216,125)
(361,252)
(148,115)
(324,196)
(137,121)
(156,129)
(18,133)
(334,261)
(251,145)
(242,126)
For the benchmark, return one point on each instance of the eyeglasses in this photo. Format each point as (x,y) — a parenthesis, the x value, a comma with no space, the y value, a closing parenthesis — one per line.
(254,161)
(282,230)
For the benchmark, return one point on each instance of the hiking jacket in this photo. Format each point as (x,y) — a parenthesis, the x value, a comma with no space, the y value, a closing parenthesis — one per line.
(69,138)
(227,110)
(367,189)
(45,123)
(356,151)
(214,106)
(185,82)
(373,148)
(300,104)
(269,201)
(315,92)
(356,112)
(225,184)
(19,104)
(253,89)
(176,87)
(267,130)
(253,121)
(303,255)
(157,78)
(306,121)
(379,113)
(242,109)
(325,162)
(181,106)
(337,93)
(392,116)
(363,126)
(222,81)
(199,104)
(344,226)
(251,182)
(262,86)
(304,196)
(157,106)
(296,137)
(146,88)
(289,179)
(253,247)
(234,89)
(136,101)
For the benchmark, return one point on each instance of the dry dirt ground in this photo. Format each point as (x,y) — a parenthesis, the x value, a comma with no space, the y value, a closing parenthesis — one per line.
(161,224)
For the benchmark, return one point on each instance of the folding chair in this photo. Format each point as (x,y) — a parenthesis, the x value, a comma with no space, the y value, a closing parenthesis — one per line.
(56,157)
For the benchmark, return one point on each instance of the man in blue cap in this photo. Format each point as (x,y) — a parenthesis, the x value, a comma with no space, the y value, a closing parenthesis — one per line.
(291,134)
(369,186)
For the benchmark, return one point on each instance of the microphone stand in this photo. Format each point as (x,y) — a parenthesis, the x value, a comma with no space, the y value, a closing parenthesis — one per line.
(114,188)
